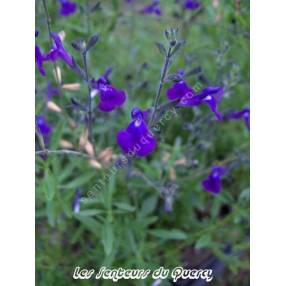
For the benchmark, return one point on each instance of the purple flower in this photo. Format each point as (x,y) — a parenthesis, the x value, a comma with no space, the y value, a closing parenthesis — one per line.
(153,8)
(213,182)
(110,97)
(136,139)
(192,4)
(44,128)
(40,59)
(178,90)
(67,8)
(76,201)
(187,96)
(243,114)
(59,51)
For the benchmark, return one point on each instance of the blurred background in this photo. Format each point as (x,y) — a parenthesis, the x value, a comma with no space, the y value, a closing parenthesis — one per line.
(153,212)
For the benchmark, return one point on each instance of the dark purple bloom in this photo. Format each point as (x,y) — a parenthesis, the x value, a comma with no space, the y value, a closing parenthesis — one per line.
(187,96)
(76,201)
(243,114)
(153,8)
(110,97)
(136,139)
(59,51)
(40,59)
(44,128)
(213,182)
(178,90)
(67,7)
(192,4)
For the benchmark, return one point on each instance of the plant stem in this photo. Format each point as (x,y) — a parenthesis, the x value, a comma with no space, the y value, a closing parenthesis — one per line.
(63,152)
(49,25)
(89,112)
(162,79)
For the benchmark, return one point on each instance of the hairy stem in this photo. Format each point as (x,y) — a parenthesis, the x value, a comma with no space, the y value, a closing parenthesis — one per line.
(162,79)
(89,112)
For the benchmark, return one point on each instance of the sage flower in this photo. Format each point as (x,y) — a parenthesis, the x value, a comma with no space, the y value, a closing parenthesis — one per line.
(213,182)
(191,5)
(67,7)
(58,51)
(43,127)
(186,96)
(153,8)
(136,139)
(109,97)
(76,201)
(242,114)
(40,59)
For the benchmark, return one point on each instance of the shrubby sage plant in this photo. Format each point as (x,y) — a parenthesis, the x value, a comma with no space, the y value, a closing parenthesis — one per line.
(131,153)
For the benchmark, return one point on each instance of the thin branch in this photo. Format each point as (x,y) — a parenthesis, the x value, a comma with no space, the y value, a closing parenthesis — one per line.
(63,152)
(49,25)
(89,113)
(162,79)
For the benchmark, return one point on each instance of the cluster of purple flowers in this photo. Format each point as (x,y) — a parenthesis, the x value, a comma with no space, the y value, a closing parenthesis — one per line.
(137,136)
(154,6)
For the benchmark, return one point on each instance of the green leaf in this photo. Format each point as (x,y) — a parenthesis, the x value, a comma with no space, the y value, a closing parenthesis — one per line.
(51,213)
(169,234)
(125,207)
(161,48)
(203,241)
(91,212)
(49,185)
(91,224)
(80,181)
(107,238)
(148,206)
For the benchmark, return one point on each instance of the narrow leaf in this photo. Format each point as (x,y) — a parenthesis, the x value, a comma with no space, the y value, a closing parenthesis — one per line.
(161,48)
(173,234)
(107,238)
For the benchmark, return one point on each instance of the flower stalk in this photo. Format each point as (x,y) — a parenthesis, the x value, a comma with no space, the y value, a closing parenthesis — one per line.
(162,79)
(49,25)
(89,99)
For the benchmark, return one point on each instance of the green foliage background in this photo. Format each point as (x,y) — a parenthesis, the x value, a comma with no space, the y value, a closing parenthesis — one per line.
(125,225)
